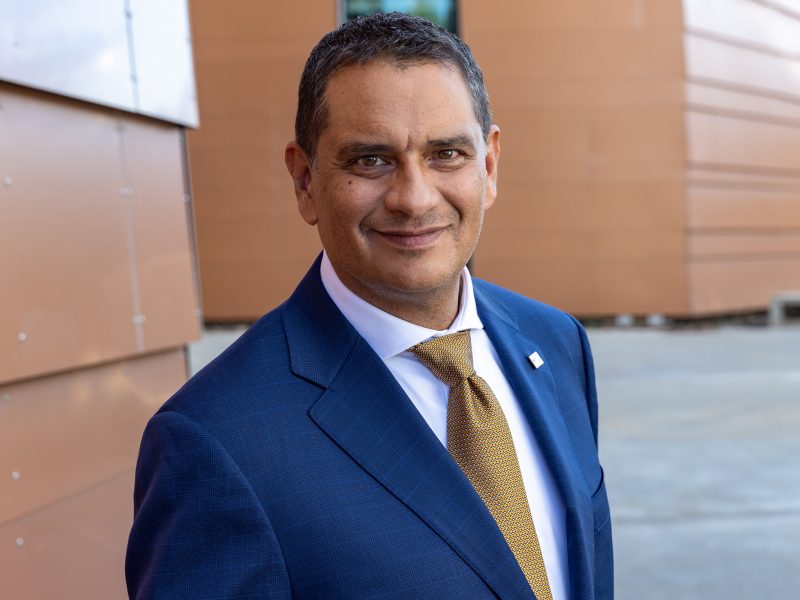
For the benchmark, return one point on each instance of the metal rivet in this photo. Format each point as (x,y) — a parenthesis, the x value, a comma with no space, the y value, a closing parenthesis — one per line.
(22,336)
(187,198)
(20,542)
(139,319)
(15,475)
(7,181)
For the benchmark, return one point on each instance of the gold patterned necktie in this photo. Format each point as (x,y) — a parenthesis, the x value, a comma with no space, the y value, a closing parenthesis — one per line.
(480,442)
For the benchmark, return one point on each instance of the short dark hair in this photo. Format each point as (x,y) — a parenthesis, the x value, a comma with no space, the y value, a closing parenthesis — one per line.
(399,38)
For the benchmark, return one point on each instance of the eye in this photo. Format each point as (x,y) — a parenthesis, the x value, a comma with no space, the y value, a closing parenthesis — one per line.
(448,154)
(370,161)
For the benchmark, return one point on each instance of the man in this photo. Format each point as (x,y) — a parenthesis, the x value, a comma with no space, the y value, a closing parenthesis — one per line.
(395,429)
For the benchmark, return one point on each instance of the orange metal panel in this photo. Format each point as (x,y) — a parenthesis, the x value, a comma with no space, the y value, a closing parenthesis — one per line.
(252,244)
(716,286)
(591,211)
(562,15)
(60,435)
(765,244)
(74,548)
(743,144)
(64,249)
(735,180)
(583,55)
(164,264)
(81,252)
(747,104)
(594,287)
(742,208)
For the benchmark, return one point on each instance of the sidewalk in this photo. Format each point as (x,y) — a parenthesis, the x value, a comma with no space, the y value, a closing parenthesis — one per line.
(700,440)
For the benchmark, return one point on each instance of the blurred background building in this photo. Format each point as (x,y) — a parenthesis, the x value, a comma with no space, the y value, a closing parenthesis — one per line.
(650,166)
(650,149)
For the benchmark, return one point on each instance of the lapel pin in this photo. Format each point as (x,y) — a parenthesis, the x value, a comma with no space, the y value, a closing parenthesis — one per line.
(536,360)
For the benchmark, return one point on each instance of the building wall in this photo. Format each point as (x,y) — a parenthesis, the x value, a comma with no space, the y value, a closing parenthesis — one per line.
(99,289)
(743,171)
(649,152)
(253,246)
(590,214)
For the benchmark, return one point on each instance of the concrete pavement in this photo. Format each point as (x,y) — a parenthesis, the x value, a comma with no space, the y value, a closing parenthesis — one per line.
(700,439)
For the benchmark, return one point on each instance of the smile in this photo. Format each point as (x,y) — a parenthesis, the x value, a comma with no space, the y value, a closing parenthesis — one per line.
(412,239)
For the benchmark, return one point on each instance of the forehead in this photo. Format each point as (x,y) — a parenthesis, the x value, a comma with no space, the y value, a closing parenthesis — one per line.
(385,99)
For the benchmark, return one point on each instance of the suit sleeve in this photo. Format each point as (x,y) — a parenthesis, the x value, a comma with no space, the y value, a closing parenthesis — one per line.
(199,530)
(588,375)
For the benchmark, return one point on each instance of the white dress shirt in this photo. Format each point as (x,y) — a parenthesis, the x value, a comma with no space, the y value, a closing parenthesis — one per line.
(390,337)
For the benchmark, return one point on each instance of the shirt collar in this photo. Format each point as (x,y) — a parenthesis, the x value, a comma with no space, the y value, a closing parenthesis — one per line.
(386,334)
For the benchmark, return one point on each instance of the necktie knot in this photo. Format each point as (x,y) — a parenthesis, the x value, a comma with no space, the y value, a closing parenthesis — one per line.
(449,357)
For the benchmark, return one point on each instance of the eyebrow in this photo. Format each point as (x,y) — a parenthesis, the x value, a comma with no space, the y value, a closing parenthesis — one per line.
(362,149)
(365,148)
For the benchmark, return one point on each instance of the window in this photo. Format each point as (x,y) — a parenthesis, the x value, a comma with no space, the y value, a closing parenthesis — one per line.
(442,12)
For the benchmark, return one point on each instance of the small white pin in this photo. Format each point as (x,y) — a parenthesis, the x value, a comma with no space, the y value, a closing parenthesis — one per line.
(536,360)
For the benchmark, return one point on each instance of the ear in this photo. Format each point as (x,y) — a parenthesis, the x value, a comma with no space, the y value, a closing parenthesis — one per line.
(299,166)
(492,157)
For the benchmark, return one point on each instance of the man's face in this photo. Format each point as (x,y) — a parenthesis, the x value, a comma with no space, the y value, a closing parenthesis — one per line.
(402,179)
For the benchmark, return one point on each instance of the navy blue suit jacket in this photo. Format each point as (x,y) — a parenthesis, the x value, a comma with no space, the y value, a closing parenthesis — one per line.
(294,466)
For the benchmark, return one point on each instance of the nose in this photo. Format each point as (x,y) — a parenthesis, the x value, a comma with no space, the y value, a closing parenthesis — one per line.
(412,190)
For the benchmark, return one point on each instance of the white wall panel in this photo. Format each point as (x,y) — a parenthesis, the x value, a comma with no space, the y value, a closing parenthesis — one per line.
(133,55)
(77,48)
(163,57)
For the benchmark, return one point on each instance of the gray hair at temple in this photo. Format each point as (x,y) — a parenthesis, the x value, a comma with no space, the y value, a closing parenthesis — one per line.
(401,39)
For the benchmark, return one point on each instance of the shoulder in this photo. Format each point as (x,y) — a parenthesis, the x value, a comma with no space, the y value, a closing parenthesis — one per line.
(240,377)
(527,312)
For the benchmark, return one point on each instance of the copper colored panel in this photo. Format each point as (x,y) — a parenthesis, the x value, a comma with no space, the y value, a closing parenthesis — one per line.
(743,68)
(60,435)
(632,54)
(591,208)
(745,21)
(547,95)
(741,207)
(767,244)
(618,207)
(744,180)
(716,286)
(737,143)
(746,104)
(165,283)
(252,244)
(593,287)
(77,48)
(563,15)
(64,250)
(74,548)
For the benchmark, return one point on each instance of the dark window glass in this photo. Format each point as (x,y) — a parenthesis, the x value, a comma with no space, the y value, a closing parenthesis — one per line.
(442,12)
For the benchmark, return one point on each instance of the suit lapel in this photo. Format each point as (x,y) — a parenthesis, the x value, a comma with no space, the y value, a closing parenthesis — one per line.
(365,411)
(538,395)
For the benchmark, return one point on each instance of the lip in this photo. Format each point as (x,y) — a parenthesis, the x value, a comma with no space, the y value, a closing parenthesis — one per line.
(411,238)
